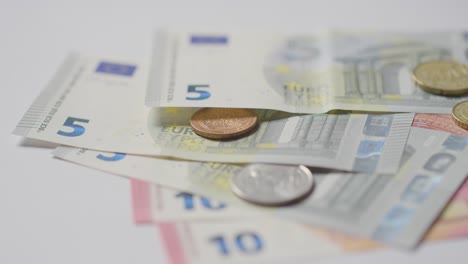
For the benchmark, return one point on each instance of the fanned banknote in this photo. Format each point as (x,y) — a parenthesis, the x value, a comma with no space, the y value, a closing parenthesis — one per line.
(97,103)
(220,233)
(243,241)
(182,216)
(394,208)
(311,73)
(352,142)
(154,203)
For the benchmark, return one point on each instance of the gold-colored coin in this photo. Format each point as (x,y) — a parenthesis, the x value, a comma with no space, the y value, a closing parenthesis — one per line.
(442,77)
(223,123)
(460,114)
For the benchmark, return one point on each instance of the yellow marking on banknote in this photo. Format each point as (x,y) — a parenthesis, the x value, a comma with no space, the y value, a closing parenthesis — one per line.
(192,143)
(282,69)
(267,146)
(455,209)
(392,96)
(316,99)
(354,101)
(294,86)
(222,182)
(214,165)
(171,110)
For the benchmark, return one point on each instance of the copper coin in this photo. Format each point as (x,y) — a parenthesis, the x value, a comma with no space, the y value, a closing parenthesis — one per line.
(223,123)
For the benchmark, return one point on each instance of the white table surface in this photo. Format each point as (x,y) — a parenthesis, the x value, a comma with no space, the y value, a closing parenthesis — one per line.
(57,212)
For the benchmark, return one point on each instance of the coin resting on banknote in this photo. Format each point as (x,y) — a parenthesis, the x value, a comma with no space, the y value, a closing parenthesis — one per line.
(223,123)
(371,155)
(442,77)
(272,184)
(460,114)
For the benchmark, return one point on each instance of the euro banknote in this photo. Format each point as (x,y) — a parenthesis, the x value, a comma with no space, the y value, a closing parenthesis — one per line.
(301,73)
(393,208)
(182,216)
(156,203)
(153,203)
(243,241)
(220,233)
(97,103)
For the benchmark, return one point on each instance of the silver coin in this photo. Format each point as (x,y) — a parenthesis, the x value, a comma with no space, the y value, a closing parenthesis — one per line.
(272,184)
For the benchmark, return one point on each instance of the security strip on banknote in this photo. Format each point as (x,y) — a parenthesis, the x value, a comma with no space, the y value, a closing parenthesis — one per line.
(394,208)
(181,217)
(97,103)
(311,73)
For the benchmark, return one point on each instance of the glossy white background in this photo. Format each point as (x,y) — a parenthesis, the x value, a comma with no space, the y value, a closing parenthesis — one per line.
(56,212)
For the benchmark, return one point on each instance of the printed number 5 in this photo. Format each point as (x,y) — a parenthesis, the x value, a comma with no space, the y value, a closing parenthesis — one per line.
(115,157)
(201,94)
(245,242)
(77,129)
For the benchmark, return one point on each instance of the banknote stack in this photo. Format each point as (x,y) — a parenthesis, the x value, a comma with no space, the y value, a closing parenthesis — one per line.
(357,139)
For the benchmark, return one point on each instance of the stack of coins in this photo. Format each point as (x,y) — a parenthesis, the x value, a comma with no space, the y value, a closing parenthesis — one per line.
(448,78)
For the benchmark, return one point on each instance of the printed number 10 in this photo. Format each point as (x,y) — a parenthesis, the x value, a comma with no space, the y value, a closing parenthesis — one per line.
(189,202)
(246,242)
